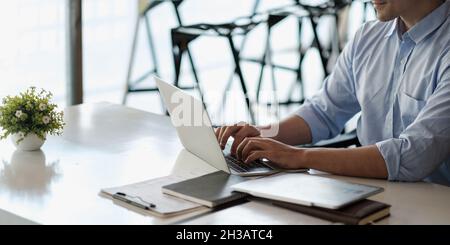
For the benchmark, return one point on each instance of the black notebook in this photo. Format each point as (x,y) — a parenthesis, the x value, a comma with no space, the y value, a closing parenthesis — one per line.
(211,190)
(360,213)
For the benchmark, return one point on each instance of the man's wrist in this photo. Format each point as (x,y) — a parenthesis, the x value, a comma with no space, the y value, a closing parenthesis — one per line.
(302,156)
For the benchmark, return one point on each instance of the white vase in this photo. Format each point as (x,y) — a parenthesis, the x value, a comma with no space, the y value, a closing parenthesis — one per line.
(31,142)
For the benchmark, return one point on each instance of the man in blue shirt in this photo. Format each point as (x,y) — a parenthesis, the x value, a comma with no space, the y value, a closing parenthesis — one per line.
(396,72)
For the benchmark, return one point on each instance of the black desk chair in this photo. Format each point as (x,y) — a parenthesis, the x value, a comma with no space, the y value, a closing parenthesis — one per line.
(184,35)
(133,86)
(313,14)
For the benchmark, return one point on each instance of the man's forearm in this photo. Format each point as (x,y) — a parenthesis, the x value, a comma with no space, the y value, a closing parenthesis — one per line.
(292,131)
(360,162)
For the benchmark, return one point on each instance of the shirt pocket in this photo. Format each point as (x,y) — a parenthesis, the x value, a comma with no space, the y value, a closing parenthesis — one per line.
(410,108)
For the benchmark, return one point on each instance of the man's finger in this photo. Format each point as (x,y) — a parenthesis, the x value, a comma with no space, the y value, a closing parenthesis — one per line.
(229,131)
(237,141)
(241,147)
(253,145)
(217,132)
(222,130)
(256,155)
(239,136)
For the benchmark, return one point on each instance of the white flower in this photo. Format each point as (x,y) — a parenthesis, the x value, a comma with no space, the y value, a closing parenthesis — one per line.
(42,107)
(21,135)
(46,120)
(19,113)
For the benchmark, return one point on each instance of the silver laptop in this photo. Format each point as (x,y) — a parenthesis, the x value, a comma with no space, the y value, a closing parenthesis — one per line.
(307,190)
(197,135)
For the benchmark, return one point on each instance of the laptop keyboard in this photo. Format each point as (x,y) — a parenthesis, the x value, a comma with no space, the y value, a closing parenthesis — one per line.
(240,166)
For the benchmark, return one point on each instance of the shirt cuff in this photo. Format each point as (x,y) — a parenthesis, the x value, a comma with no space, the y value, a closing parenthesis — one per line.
(390,150)
(317,127)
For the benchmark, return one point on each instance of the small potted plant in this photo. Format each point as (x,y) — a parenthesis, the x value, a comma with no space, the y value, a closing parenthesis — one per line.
(29,117)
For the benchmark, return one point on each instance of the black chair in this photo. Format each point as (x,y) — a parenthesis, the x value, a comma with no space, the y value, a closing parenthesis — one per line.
(184,35)
(301,12)
(133,86)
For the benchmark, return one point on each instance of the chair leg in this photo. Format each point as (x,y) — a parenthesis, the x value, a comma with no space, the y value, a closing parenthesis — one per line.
(230,80)
(177,53)
(129,83)
(180,44)
(191,59)
(260,78)
(299,80)
(263,66)
(272,74)
(323,59)
(238,71)
(131,62)
(227,89)
(271,22)
(151,45)
(194,73)
(267,60)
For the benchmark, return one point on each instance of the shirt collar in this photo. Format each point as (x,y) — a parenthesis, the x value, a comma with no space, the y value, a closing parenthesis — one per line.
(425,26)
(393,27)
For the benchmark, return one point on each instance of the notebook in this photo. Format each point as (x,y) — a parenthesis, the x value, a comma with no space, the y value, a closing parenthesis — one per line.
(307,190)
(360,213)
(150,192)
(211,190)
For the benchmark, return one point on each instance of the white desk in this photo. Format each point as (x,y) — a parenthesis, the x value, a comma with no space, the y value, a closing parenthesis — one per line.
(107,145)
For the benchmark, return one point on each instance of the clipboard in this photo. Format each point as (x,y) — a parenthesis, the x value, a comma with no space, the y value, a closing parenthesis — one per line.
(148,197)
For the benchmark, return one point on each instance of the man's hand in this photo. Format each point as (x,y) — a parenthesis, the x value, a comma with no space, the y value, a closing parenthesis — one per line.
(285,156)
(238,132)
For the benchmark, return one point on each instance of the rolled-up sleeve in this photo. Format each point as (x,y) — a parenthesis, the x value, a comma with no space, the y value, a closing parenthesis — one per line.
(425,144)
(327,112)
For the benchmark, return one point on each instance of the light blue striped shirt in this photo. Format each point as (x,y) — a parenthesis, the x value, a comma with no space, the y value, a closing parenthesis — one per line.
(401,86)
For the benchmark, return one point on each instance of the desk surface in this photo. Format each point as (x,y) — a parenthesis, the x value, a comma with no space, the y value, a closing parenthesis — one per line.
(106,145)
